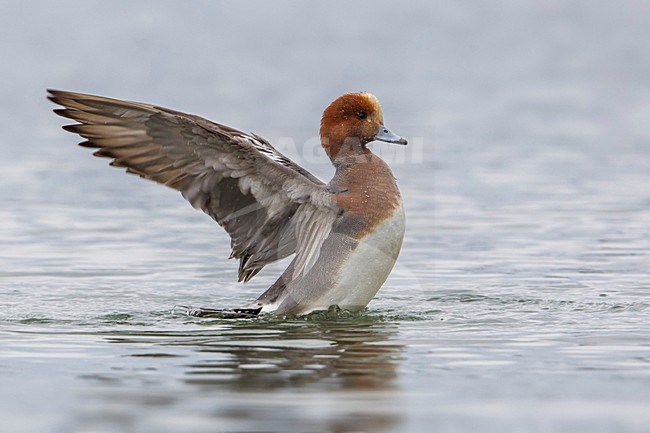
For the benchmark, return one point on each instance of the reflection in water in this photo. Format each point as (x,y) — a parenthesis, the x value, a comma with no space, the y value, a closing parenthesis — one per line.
(334,355)
(325,374)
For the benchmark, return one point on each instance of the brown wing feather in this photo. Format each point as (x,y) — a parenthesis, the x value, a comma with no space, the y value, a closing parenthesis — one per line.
(249,188)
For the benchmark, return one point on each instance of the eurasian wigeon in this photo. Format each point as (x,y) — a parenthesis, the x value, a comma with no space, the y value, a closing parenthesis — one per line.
(346,235)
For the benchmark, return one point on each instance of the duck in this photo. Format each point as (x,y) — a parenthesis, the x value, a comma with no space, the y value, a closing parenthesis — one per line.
(345,236)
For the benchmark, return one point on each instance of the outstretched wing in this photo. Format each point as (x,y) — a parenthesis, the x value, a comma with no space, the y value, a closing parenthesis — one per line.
(269,206)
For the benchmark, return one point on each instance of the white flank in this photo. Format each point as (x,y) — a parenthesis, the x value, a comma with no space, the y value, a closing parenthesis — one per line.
(365,270)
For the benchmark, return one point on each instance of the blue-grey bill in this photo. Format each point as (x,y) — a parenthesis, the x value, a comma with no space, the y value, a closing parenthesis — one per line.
(384,134)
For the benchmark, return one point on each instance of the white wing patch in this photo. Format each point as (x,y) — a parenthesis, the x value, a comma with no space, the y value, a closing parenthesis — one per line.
(266,149)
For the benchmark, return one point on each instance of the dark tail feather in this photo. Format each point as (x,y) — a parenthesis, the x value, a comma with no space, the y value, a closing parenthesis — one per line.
(212,313)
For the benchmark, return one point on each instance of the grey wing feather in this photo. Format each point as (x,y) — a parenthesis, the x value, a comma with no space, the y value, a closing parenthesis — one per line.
(262,199)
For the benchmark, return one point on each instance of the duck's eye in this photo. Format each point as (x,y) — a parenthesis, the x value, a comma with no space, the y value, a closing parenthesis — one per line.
(361,115)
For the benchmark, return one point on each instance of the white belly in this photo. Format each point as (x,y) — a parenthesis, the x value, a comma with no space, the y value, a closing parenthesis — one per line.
(367,267)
